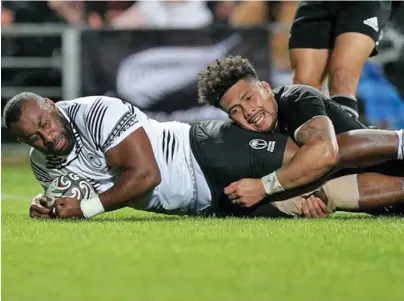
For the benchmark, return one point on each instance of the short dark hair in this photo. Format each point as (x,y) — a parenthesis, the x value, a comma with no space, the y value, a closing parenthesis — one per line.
(13,108)
(220,76)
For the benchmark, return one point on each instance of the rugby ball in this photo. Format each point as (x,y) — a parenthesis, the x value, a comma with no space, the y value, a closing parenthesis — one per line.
(69,185)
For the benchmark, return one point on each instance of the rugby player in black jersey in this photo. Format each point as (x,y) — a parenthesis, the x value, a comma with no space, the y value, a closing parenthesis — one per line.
(310,119)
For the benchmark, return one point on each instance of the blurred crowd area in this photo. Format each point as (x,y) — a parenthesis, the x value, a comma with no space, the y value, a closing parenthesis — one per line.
(276,15)
(148,14)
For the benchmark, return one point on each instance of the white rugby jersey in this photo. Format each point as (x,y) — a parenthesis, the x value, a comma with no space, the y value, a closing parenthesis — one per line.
(99,123)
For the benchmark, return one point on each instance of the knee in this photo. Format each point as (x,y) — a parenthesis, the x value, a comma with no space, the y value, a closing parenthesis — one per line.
(307,77)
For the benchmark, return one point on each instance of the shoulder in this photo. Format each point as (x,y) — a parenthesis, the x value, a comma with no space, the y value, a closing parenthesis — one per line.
(296,92)
(97,105)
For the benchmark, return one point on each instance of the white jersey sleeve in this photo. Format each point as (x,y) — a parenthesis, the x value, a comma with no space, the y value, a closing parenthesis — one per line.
(110,121)
(39,169)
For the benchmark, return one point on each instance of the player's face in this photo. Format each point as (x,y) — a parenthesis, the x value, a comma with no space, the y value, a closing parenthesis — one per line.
(43,127)
(251,105)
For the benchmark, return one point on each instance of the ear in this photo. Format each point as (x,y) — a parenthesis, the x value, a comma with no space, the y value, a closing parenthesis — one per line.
(50,103)
(266,87)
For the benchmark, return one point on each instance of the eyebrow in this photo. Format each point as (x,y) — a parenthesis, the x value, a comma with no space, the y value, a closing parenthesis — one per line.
(244,94)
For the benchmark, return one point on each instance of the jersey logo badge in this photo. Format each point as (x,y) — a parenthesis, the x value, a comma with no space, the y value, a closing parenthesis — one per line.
(372,22)
(261,144)
(94,161)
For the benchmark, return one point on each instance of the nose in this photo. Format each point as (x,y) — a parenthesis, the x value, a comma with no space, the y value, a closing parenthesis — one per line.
(47,139)
(249,111)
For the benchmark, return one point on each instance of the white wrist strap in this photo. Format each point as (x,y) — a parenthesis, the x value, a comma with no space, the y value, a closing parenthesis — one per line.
(92,207)
(271,184)
(400,148)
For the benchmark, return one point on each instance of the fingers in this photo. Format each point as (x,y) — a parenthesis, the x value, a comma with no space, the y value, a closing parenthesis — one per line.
(58,210)
(38,211)
(314,207)
(230,189)
(233,196)
(45,201)
(322,205)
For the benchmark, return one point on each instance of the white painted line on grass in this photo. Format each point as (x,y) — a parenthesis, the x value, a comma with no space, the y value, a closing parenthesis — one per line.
(6,197)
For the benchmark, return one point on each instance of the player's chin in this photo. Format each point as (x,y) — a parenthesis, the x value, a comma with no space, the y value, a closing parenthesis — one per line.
(264,126)
(65,150)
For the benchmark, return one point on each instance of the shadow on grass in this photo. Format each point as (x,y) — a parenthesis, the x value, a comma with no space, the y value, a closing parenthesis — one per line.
(154,219)
(131,219)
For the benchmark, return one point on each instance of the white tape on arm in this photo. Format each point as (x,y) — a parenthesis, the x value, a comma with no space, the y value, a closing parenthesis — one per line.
(271,184)
(92,207)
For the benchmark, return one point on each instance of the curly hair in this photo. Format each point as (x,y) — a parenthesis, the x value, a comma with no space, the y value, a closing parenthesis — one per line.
(220,76)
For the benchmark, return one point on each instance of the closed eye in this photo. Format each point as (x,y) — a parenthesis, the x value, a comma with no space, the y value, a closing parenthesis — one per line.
(45,124)
(33,138)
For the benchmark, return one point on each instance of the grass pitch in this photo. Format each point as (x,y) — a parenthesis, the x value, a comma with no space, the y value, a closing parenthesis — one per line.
(129,255)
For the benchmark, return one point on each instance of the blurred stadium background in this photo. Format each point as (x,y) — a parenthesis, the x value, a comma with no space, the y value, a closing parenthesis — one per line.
(149,53)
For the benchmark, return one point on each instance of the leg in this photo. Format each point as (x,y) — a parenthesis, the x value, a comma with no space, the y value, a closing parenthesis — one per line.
(378,191)
(350,53)
(279,40)
(363,148)
(358,29)
(309,66)
(309,44)
(365,192)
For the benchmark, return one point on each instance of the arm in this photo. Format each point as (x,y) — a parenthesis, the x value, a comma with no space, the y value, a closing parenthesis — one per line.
(120,135)
(317,155)
(140,173)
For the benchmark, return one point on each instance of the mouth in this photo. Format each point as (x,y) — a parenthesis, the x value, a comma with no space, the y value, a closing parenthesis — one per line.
(60,144)
(258,119)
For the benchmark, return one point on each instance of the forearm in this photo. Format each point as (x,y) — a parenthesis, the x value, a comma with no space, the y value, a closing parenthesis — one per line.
(309,164)
(363,148)
(130,186)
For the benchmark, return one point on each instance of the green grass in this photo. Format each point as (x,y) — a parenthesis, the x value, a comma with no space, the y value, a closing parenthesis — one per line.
(129,255)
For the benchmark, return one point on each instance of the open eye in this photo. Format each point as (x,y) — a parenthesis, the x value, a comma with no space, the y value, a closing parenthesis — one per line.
(235,110)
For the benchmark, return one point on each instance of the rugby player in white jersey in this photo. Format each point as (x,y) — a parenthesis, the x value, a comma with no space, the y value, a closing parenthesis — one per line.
(129,159)
(134,161)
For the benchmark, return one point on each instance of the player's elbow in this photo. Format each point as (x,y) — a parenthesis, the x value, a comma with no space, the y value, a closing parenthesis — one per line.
(328,155)
(152,178)
(155,178)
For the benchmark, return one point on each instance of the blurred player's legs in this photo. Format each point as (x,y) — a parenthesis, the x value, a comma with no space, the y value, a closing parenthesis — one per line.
(310,66)
(349,31)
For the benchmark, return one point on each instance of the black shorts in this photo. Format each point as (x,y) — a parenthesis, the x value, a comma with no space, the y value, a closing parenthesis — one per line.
(318,23)
(228,153)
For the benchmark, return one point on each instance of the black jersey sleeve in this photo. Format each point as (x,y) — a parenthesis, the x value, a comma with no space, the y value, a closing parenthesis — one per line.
(298,104)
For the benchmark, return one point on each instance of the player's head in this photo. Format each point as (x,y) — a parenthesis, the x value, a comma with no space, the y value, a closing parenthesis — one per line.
(232,84)
(37,122)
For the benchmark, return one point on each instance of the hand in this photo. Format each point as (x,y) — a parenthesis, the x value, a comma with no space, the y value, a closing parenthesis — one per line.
(246,192)
(314,207)
(37,208)
(68,208)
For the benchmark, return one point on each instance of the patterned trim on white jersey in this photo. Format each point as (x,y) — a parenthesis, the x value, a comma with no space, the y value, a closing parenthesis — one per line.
(126,121)
(40,174)
(169,145)
(95,120)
